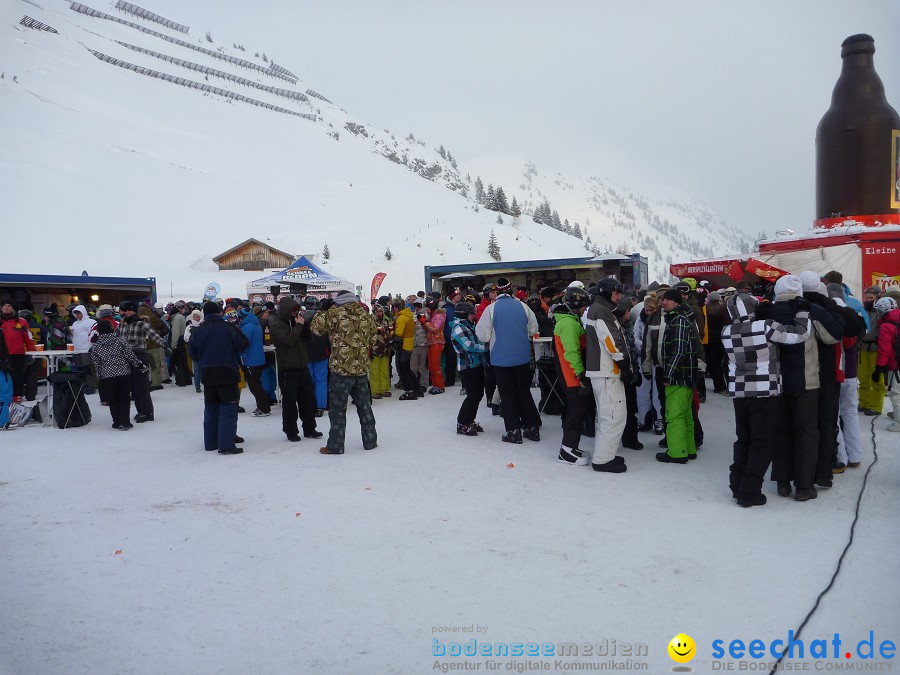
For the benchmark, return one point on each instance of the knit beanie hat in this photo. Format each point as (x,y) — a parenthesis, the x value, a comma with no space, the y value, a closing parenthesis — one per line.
(789,284)
(212,308)
(810,281)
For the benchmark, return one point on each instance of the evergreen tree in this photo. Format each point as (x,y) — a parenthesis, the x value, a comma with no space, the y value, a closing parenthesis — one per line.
(490,199)
(500,201)
(479,190)
(494,247)
(577,231)
(555,223)
(387,254)
(499,218)
(326,253)
(514,209)
(442,152)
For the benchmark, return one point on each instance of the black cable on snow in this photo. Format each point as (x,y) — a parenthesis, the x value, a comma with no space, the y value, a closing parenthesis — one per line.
(840,561)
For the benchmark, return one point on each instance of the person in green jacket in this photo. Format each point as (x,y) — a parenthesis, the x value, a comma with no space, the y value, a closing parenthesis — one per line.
(569,340)
(352,332)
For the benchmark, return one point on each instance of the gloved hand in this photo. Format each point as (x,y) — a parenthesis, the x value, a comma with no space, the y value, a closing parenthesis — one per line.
(879,373)
(586,388)
(626,375)
(701,365)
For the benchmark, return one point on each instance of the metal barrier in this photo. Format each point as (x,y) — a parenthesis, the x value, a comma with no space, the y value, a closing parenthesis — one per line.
(198,85)
(28,22)
(89,11)
(150,16)
(286,93)
(317,95)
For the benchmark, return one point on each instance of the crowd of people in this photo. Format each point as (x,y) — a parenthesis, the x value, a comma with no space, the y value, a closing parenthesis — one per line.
(801,359)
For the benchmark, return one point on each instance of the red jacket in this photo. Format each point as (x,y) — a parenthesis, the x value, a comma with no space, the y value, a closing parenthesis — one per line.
(887,339)
(483,305)
(18,336)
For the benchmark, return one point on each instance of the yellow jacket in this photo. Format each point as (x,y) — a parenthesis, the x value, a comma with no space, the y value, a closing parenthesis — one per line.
(405,327)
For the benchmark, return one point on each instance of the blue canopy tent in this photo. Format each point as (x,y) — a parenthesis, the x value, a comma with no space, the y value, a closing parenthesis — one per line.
(301,276)
(316,280)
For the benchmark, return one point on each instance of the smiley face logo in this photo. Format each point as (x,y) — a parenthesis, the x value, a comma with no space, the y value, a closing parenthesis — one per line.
(682,648)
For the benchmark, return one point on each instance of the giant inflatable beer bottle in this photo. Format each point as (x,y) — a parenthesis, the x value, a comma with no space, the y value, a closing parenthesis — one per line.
(858,145)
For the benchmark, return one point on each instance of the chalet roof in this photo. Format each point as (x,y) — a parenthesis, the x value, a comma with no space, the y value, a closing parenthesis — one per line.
(251,241)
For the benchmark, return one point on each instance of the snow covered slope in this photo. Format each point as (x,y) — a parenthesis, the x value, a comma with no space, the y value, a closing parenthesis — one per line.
(108,167)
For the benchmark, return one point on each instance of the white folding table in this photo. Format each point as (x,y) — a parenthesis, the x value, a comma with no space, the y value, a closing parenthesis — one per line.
(52,357)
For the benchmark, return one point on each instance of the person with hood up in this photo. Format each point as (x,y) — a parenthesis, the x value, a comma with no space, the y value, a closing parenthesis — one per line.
(352,332)
(290,335)
(18,341)
(570,339)
(193,322)
(82,329)
(215,348)
(404,341)
(254,358)
(608,368)
(886,365)
(113,360)
(507,326)
(434,339)
(754,380)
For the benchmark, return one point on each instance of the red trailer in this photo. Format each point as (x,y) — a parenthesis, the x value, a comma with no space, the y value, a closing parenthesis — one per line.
(866,255)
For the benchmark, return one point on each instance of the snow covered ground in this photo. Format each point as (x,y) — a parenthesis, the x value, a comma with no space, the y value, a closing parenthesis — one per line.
(141,553)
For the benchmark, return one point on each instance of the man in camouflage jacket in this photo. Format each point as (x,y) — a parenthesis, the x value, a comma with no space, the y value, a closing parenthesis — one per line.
(352,334)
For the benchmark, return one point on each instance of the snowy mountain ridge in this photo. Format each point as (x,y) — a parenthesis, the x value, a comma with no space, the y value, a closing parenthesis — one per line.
(134,145)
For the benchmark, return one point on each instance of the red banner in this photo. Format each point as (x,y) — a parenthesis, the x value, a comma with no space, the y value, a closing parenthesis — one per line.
(376,285)
(880,263)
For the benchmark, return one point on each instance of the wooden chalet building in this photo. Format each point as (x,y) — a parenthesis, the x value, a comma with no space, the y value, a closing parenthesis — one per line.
(253,255)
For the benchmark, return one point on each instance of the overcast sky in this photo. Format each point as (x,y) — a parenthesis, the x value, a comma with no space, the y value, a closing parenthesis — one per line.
(718,98)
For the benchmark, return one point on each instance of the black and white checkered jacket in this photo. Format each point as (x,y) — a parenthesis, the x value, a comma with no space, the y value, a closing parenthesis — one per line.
(753,364)
(113,357)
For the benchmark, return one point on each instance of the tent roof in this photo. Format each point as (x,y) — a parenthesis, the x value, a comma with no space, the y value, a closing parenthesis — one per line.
(302,271)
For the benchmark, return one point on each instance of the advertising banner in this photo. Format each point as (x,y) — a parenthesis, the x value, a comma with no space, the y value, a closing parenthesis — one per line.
(376,284)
